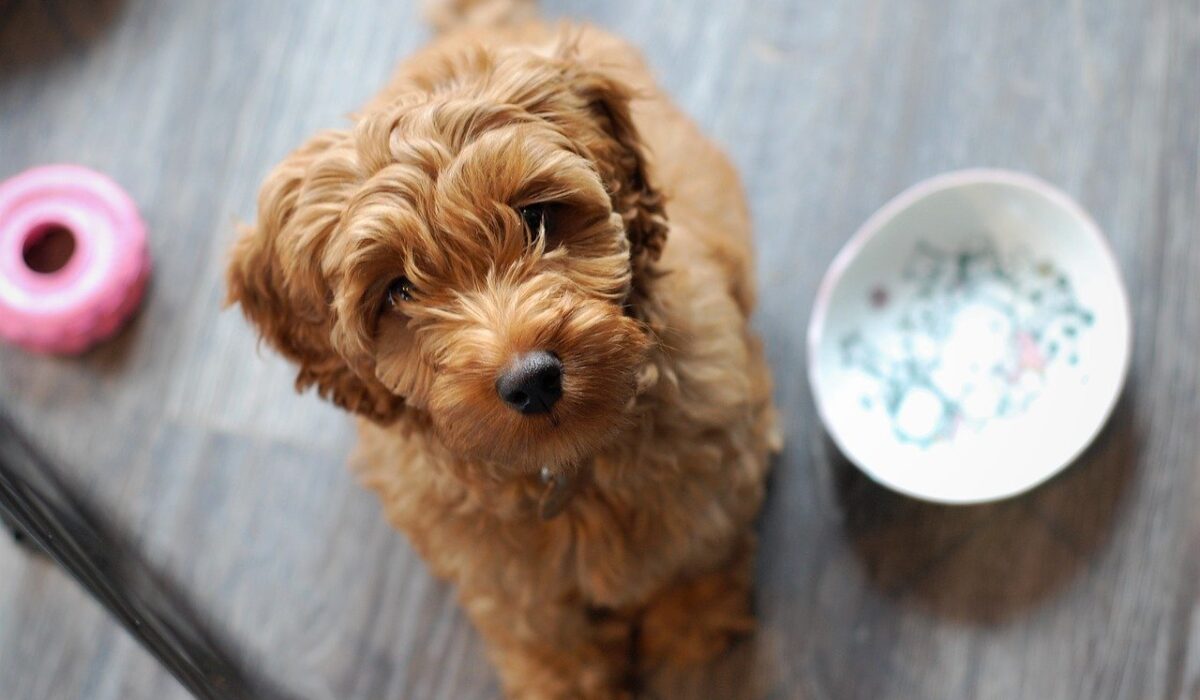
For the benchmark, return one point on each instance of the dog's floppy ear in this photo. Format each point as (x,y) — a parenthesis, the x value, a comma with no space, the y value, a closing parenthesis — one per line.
(275,272)
(624,164)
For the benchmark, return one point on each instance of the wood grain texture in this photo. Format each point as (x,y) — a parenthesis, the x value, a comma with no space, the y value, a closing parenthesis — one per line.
(193,441)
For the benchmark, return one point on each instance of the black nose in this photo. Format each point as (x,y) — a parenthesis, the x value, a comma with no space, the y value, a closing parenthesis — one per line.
(532,383)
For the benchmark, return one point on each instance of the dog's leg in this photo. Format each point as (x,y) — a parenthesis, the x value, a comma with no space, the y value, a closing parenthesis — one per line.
(555,650)
(696,619)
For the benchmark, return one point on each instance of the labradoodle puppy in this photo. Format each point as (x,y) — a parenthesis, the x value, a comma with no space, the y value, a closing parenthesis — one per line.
(530,275)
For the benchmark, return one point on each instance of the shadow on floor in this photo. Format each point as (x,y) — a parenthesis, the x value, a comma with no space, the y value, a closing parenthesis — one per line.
(989,563)
(33,32)
(113,355)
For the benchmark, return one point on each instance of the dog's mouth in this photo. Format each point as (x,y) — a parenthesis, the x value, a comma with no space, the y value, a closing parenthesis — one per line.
(553,409)
(533,432)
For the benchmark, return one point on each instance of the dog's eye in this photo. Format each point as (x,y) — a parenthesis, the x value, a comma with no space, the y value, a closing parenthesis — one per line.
(398,290)
(537,220)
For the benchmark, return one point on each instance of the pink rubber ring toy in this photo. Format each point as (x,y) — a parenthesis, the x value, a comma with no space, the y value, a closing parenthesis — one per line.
(65,300)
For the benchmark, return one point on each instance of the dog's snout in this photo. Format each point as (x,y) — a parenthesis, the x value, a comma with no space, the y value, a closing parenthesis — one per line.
(532,382)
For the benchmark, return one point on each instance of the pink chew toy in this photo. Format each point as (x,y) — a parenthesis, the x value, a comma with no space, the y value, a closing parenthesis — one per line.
(73,258)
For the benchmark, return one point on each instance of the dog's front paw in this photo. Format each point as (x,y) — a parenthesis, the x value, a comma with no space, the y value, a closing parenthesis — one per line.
(584,656)
(570,693)
(695,621)
(562,679)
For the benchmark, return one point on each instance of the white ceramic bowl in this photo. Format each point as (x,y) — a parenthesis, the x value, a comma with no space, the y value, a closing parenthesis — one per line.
(971,339)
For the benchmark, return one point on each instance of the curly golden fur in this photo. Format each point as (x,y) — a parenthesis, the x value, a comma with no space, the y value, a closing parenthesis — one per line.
(639,279)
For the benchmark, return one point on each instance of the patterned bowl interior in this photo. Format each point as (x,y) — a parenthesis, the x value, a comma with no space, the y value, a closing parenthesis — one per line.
(971,339)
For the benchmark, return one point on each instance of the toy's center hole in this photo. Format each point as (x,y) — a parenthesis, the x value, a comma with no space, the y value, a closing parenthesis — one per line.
(48,248)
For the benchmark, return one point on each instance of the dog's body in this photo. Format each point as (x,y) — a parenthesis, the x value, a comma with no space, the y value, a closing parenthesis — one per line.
(629,505)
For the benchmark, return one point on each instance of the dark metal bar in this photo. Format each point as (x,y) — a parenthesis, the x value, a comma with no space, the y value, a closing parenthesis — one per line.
(69,530)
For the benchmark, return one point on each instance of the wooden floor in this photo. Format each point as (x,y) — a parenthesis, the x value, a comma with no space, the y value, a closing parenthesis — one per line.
(194,443)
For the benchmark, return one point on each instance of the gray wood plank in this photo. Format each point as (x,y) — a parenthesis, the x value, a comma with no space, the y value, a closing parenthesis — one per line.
(194,441)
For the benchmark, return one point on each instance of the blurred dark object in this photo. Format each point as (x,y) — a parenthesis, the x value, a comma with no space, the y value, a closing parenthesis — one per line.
(43,513)
(18,533)
(34,31)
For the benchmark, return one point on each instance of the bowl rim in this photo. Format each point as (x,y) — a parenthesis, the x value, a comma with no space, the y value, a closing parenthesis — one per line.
(871,227)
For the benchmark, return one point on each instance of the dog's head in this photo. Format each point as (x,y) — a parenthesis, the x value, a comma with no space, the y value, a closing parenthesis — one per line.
(477,250)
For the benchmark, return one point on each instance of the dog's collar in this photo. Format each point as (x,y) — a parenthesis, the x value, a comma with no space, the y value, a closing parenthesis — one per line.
(559,486)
